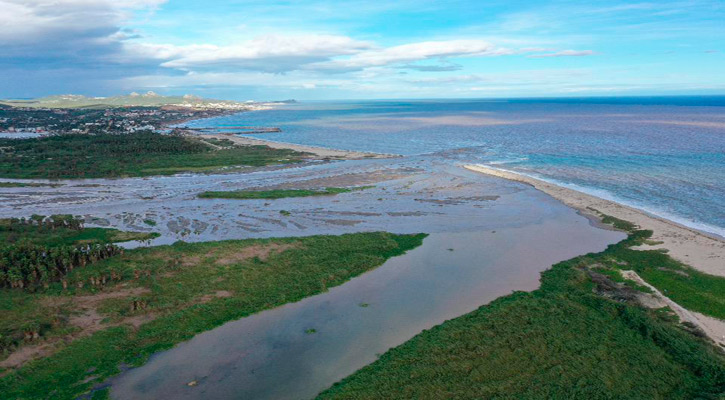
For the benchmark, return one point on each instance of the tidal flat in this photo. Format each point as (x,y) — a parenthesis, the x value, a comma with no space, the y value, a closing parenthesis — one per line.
(487,238)
(411,195)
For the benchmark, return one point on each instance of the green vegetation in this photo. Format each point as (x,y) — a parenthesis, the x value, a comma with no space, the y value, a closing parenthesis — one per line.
(614,275)
(180,290)
(278,193)
(62,230)
(132,154)
(580,335)
(40,250)
(686,286)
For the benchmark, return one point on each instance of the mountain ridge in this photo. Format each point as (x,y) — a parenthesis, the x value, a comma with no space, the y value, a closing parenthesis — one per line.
(148,99)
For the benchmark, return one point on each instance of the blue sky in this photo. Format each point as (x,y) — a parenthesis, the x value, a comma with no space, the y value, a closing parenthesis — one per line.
(349,49)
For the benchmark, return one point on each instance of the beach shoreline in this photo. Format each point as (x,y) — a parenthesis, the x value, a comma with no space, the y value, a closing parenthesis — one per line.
(316,151)
(697,249)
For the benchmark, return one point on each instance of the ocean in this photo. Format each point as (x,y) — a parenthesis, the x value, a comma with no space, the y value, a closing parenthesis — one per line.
(663,155)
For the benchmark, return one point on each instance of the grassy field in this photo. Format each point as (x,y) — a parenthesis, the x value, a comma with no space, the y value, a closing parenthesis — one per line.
(135,154)
(160,296)
(581,335)
(39,251)
(278,193)
(683,284)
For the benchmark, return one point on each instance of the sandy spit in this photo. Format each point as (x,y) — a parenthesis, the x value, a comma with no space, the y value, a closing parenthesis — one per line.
(318,152)
(696,249)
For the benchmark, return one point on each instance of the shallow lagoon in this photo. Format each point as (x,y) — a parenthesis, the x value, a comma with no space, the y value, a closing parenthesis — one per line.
(488,238)
(299,349)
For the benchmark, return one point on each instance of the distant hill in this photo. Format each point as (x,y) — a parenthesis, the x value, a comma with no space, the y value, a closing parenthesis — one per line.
(149,99)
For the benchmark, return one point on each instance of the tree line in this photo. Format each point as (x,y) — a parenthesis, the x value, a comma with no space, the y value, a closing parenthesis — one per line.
(41,221)
(81,155)
(28,266)
(28,263)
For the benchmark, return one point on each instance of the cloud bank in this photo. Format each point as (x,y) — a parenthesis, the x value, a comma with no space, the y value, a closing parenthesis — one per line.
(105,46)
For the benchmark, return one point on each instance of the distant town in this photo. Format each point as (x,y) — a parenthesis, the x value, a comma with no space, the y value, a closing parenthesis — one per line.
(121,114)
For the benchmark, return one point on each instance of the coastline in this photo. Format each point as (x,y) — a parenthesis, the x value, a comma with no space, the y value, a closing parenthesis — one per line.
(318,152)
(701,251)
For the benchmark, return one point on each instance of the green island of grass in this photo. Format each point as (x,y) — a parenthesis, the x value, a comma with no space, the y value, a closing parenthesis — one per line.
(580,335)
(278,193)
(178,291)
(137,154)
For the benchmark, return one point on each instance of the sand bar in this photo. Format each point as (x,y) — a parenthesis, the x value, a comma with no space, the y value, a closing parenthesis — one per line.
(318,152)
(696,249)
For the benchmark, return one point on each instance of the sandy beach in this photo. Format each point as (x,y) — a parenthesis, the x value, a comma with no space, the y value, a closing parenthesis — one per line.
(691,247)
(318,152)
(696,249)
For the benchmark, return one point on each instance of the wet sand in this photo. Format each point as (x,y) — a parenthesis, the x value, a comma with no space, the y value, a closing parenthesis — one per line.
(409,196)
(699,250)
(318,152)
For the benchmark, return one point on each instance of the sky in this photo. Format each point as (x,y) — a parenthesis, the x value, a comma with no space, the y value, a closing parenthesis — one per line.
(354,49)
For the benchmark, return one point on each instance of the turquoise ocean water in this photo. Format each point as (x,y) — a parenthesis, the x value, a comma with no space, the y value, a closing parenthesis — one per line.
(663,155)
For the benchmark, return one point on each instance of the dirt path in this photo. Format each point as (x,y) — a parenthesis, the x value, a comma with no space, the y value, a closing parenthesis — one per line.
(87,320)
(713,327)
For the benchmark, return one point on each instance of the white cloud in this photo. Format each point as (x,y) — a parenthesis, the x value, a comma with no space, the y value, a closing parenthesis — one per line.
(271,53)
(28,21)
(449,79)
(42,36)
(412,52)
(565,53)
(321,53)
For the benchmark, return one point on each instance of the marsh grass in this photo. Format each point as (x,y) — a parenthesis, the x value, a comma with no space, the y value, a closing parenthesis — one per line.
(692,289)
(133,154)
(563,340)
(181,282)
